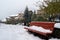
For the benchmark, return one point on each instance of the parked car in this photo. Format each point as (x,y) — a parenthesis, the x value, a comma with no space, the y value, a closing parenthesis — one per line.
(45,26)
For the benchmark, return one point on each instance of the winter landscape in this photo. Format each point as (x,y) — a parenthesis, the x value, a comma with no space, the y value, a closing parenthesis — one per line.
(17,32)
(29,19)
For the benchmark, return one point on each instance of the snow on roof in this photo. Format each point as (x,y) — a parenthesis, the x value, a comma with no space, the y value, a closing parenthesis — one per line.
(57,25)
(14,15)
(40,29)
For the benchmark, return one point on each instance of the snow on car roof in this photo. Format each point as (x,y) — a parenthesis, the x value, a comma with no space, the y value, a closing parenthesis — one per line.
(57,25)
(41,29)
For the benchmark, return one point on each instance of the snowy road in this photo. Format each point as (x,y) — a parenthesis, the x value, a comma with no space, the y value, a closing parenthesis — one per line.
(16,32)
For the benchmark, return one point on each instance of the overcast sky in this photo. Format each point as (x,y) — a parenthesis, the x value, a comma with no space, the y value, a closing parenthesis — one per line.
(12,7)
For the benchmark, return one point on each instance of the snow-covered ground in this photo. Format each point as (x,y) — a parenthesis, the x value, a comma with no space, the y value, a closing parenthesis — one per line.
(17,32)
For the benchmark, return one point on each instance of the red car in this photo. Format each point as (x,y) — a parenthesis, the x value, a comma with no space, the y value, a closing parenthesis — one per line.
(44,25)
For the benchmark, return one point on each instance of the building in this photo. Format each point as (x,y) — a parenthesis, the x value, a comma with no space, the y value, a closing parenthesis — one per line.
(40,12)
(20,16)
(15,18)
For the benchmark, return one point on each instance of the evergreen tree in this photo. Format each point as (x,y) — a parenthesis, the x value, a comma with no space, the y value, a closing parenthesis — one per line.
(26,15)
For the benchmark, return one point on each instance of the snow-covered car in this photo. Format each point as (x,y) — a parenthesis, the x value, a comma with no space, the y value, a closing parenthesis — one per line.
(42,28)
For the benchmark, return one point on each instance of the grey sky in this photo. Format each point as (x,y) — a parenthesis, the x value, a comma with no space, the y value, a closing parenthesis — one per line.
(11,7)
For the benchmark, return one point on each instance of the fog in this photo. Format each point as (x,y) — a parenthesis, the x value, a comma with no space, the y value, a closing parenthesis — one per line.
(12,7)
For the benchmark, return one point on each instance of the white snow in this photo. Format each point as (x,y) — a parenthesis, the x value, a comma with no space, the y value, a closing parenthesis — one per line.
(54,39)
(57,25)
(14,15)
(16,32)
(40,29)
